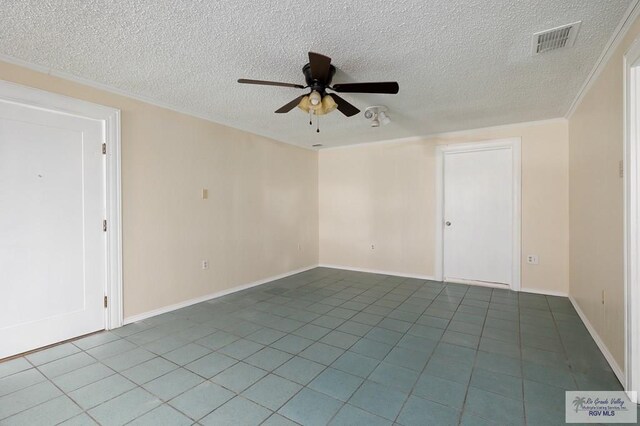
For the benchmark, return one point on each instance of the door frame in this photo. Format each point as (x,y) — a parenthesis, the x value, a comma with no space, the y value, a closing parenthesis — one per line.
(441,151)
(631,184)
(110,118)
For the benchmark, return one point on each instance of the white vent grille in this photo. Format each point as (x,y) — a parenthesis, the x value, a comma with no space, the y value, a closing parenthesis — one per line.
(555,38)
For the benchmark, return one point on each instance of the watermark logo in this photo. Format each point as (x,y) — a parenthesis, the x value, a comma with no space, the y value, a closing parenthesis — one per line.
(599,407)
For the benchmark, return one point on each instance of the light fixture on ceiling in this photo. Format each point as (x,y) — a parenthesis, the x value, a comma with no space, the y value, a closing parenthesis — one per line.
(378,115)
(384,118)
(316,104)
(315,99)
(318,75)
(328,104)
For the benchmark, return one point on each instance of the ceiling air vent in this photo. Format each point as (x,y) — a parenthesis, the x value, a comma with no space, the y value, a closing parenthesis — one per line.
(555,38)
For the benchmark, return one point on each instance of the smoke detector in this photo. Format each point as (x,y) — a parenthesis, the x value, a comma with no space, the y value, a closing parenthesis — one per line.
(555,38)
(378,115)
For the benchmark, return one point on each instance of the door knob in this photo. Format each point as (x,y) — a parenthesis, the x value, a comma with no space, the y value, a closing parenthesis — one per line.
(447,223)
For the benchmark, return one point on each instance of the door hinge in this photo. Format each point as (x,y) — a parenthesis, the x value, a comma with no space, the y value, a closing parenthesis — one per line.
(105,301)
(621,169)
(104,148)
(104,225)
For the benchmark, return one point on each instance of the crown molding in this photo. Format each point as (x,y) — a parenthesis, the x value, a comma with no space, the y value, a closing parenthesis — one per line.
(129,95)
(449,134)
(633,11)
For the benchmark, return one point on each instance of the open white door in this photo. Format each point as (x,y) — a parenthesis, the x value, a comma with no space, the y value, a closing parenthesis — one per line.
(479,213)
(52,243)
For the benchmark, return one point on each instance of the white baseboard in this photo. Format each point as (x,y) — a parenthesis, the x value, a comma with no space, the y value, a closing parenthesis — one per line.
(603,348)
(173,307)
(377,271)
(169,308)
(432,278)
(544,292)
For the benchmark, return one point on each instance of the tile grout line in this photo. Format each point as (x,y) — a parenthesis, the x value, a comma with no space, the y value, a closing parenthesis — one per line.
(179,366)
(564,348)
(318,291)
(47,379)
(521,343)
(327,367)
(430,355)
(444,285)
(240,394)
(378,363)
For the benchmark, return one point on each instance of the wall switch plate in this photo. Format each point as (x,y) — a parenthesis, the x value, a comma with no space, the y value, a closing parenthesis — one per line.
(205,193)
(205,264)
(532,259)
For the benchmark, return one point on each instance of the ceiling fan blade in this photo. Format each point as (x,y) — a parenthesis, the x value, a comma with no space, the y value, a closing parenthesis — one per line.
(388,87)
(320,66)
(345,107)
(270,83)
(291,105)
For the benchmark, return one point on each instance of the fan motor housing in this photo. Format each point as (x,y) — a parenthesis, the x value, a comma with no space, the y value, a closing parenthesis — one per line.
(317,85)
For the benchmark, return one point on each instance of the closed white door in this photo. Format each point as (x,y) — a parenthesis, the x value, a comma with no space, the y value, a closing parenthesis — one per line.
(52,244)
(478,215)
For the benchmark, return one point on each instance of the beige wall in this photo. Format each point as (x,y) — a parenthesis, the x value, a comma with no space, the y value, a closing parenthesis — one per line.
(384,195)
(263,200)
(596,204)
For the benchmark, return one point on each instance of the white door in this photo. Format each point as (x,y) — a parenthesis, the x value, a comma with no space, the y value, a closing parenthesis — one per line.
(52,244)
(478,215)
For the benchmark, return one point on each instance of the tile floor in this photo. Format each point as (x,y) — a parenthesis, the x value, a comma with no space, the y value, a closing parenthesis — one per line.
(321,347)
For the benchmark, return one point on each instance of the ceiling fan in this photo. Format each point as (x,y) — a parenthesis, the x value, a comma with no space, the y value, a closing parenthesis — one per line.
(318,74)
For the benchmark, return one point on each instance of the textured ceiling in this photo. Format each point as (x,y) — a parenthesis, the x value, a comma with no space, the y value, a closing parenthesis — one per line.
(461,64)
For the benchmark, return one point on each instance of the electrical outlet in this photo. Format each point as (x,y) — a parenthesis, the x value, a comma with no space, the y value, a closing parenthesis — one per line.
(532,259)
(205,264)
(205,193)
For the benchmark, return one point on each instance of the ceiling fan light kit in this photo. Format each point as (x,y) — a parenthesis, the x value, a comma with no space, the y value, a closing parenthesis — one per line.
(315,98)
(318,75)
(328,104)
(323,107)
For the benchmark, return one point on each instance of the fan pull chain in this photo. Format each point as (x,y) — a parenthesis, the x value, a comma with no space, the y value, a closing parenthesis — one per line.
(318,124)
(310,117)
